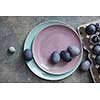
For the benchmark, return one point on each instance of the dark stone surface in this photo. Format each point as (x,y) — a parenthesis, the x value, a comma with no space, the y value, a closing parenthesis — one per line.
(13,31)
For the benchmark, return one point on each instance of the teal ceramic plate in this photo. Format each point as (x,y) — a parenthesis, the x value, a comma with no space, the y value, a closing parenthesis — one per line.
(32,65)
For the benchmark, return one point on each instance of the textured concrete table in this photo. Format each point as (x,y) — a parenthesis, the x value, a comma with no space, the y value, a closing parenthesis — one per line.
(13,31)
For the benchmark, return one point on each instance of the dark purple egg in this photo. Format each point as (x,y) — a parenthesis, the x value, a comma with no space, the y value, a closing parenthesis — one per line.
(97,60)
(55,57)
(28,55)
(66,56)
(96,49)
(94,39)
(91,29)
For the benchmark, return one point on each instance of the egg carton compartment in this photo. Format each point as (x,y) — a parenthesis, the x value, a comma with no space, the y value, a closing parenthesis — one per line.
(88,47)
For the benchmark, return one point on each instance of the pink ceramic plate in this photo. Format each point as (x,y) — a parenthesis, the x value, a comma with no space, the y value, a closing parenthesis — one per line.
(55,38)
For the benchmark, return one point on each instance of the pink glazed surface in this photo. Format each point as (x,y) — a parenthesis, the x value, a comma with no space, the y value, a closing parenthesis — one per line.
(54,38)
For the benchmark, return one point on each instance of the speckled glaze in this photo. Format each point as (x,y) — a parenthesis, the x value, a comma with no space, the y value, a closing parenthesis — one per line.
(32,65)
(55,38)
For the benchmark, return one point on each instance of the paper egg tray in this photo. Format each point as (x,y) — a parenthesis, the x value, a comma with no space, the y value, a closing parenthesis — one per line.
(87,45)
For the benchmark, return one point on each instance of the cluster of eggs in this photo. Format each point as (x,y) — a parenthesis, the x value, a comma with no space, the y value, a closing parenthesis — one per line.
(92,30)
(65,55)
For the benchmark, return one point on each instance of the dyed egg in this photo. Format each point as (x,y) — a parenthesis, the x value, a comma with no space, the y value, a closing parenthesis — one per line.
(55,57)
(97,60)
(91,29)
(66,56)
(94,39)
(74,50)
(96,49)
(28,55)
(85,65)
